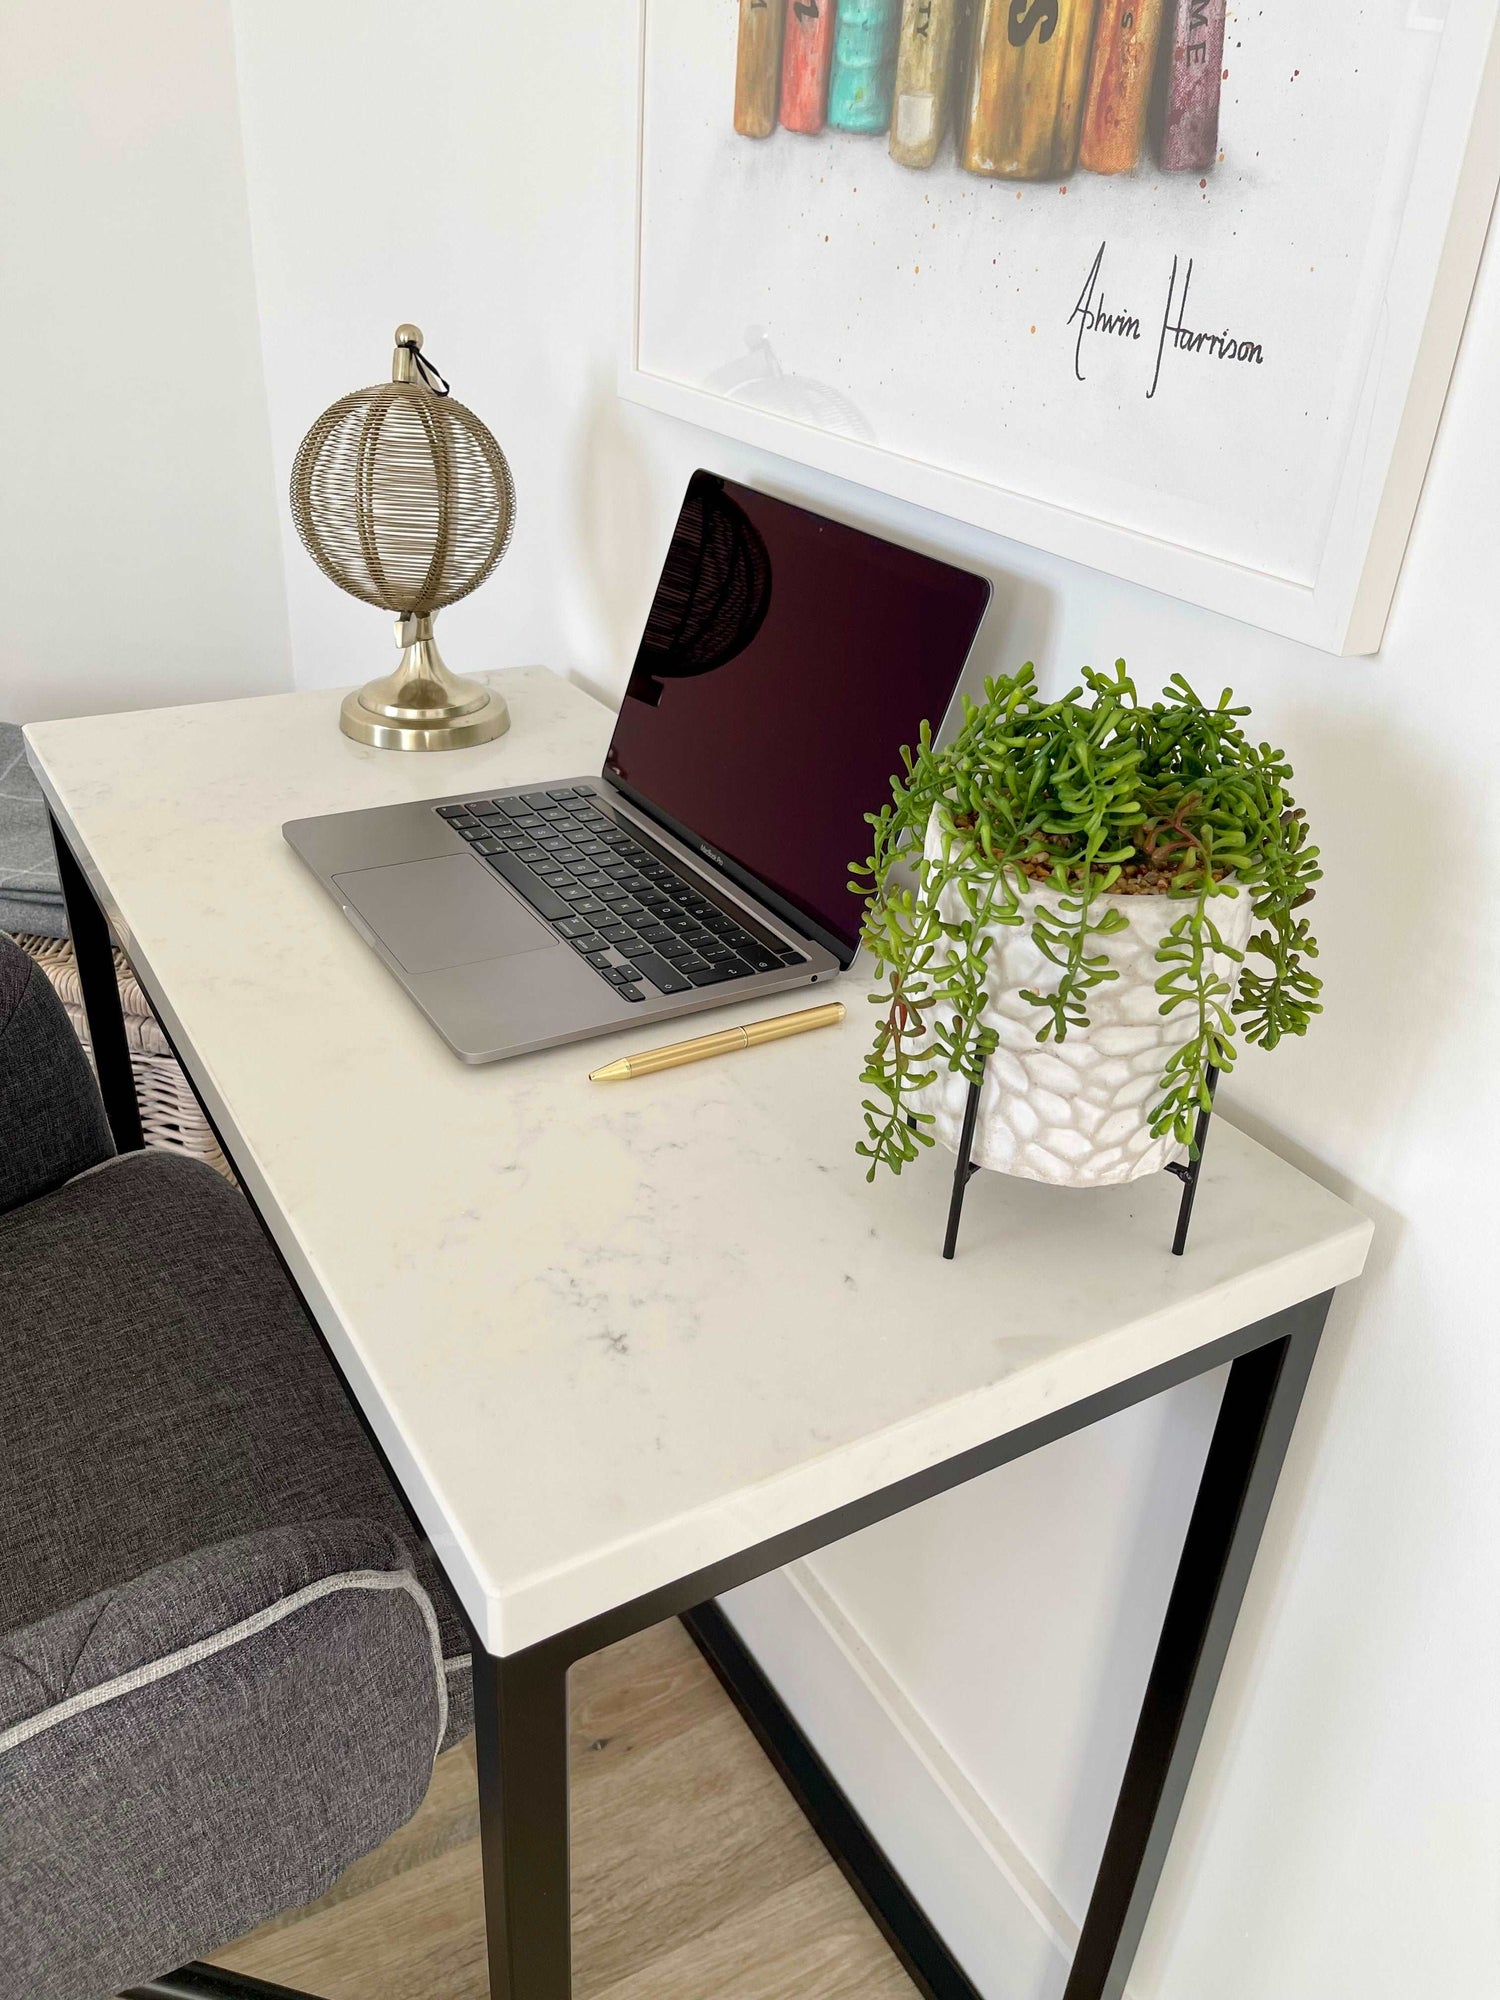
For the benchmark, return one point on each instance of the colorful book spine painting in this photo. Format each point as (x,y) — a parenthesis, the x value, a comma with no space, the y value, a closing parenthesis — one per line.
(1026,92)
(757,69)
(926,57)
(1185,113)
(864,64)
(807,54)
(1032,88)
(1119,92)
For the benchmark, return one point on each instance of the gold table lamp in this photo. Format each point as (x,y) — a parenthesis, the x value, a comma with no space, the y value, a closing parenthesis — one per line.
(404,499)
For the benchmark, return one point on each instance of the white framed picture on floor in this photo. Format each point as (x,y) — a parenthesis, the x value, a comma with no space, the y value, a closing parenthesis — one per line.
(1169,287)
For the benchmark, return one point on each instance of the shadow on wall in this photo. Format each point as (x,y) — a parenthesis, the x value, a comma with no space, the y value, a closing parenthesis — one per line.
(1018,627)
(1389,943)
(619,549)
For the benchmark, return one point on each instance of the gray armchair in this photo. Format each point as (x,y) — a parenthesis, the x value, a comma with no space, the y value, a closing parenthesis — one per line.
(226,1659)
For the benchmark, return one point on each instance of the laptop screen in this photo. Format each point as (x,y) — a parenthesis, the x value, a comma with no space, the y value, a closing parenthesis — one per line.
(786,660)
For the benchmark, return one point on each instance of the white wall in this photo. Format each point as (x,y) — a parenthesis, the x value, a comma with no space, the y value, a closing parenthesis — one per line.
(977,1693)
(138,556)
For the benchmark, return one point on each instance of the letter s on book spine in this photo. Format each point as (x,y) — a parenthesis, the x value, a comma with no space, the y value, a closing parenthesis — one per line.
(757,70)
(1185,111)
(1026,93)
(1120,78)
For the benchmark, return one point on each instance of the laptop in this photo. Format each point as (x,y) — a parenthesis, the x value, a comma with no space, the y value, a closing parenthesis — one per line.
(785,662)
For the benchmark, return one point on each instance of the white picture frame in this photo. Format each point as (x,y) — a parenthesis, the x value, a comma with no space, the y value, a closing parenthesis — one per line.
(1439,235)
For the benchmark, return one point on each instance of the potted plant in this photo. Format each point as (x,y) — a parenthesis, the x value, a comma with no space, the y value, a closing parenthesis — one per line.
(1079,904)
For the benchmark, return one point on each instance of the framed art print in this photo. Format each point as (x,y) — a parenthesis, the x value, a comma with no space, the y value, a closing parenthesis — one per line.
(1169,287)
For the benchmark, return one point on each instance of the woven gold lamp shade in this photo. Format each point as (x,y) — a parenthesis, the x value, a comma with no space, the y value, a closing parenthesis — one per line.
(403,498)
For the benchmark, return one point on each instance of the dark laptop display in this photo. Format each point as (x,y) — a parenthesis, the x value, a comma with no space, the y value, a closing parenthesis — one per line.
(786,658)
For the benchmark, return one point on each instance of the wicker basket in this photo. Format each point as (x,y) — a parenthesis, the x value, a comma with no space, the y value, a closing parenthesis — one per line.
(169,1111)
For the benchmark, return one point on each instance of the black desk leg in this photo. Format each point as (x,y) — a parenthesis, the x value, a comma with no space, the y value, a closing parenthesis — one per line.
(1261,1400)
(521,1742)
(101,999)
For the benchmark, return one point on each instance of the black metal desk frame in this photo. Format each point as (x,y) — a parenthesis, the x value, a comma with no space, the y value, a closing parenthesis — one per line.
(521,1701)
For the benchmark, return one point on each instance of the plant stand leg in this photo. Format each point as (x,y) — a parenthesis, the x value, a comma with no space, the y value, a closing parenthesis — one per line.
(1187,1171)
(963,1172)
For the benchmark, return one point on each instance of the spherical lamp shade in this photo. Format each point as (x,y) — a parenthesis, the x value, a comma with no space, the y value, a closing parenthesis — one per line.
(403,498)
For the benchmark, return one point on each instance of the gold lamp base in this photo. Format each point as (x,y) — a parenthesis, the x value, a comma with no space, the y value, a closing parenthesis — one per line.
(422,706)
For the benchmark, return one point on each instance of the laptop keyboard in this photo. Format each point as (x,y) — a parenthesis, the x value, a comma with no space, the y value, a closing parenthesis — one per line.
(616,900)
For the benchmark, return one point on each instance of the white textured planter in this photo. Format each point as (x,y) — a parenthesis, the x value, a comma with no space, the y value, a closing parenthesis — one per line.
(1075,1112)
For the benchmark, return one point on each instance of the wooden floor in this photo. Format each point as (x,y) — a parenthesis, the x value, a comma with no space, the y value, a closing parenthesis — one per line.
(695,1877)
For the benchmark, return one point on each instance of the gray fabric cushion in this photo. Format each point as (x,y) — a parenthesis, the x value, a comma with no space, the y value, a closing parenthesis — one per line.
(162,1400)
(30,895)
(52,1122)
(185,1755)
(161,1390)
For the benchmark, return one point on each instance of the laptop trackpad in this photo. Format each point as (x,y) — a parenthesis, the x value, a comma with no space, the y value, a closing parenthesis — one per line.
(448,911)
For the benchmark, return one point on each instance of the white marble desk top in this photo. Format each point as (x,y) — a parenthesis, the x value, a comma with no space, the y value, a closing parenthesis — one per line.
(609,1334)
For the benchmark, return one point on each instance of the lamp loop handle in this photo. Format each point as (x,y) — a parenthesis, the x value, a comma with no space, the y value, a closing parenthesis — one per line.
(435,382)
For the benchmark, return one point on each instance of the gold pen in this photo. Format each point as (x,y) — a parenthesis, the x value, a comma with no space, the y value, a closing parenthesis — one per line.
(724,1043)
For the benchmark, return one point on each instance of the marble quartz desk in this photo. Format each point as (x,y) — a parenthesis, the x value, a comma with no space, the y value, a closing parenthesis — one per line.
(626,1346)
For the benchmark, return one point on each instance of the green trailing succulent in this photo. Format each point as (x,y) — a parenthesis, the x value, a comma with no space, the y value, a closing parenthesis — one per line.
(1095,799)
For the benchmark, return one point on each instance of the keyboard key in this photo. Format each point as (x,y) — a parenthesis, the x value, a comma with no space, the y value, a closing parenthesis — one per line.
(563,792)
(573,927)
(664,977)
(630,992)
(614,932)
(618,975)
(488,847)
(535,799)
(758,958)
(670,947)
(691,964)
(452,812)
(711,975)
(587,907)
(657,934)
(543,900)
(589,945)
(476,805)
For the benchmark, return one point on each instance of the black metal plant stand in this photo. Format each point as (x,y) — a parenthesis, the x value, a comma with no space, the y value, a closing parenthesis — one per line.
(1187,1171)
